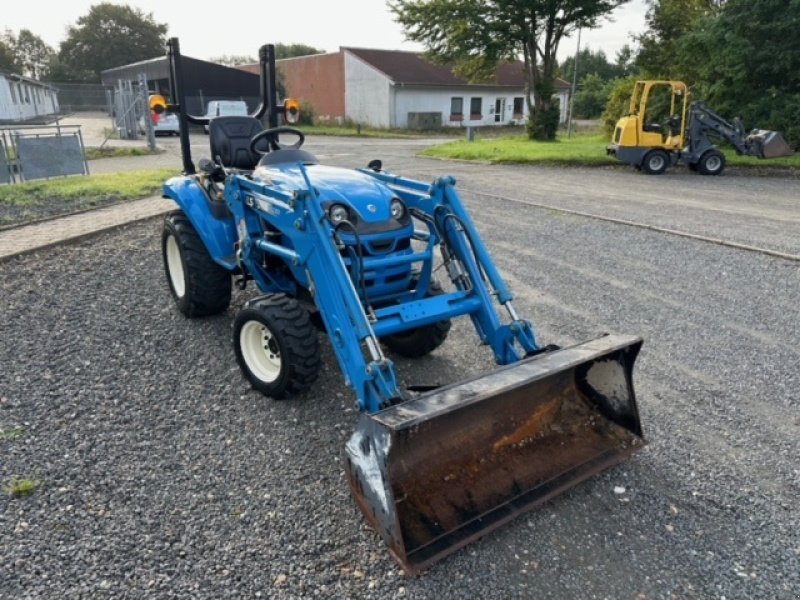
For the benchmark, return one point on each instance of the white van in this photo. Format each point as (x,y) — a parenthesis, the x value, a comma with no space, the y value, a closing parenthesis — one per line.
(225,108)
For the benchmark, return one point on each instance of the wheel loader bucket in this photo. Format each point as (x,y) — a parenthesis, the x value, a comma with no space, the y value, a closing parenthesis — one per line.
(770,143)
(436,472)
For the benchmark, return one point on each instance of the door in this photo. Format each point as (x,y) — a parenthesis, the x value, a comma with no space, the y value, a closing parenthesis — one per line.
(499,110)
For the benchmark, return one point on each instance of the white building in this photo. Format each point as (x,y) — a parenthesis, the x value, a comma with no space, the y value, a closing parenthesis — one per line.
(23,99)
(396,89)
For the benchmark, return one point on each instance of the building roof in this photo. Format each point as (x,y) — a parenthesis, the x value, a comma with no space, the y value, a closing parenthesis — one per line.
(23,79)
(412,68)
(212,77)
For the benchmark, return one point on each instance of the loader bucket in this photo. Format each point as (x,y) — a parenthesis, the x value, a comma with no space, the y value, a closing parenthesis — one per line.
(436,472)
(770,144)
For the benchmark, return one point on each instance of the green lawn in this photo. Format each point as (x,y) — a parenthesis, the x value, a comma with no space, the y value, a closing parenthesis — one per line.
(580,149)
(366,132)
(122,186)
(35,200)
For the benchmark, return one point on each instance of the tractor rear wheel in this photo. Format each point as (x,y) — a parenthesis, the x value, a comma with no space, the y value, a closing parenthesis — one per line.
(276,345)
(416,343)
(655,162)
(199,286)
(711,163)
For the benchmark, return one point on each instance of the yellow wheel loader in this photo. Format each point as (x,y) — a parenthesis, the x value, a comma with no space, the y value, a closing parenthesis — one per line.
(665,127)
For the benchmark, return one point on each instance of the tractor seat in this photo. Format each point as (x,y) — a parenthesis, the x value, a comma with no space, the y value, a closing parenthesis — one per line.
(230,137)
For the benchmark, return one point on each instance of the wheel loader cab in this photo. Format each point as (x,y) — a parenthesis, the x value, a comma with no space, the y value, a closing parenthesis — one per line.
(662,113)
(654,132)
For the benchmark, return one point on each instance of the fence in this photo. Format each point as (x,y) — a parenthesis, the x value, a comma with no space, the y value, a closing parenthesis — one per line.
(40,152)
(74,96)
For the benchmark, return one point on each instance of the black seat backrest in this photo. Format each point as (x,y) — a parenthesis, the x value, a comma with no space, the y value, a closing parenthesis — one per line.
(230,141)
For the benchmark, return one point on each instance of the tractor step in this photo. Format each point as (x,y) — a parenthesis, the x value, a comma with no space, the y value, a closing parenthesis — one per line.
(438,471)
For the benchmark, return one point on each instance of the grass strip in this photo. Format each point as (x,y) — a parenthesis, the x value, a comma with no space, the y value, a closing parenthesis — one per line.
(578,150)
(128,185)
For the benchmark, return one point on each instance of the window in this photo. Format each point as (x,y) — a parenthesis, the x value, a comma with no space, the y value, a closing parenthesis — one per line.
(456,109)
(475,108)
(27,94)
(519,107)
(12,86)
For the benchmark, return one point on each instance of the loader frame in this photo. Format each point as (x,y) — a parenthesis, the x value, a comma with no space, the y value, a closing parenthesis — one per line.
(315,261)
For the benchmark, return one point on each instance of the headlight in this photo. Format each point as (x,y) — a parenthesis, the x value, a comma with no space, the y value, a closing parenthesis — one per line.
(398,209)
(338,213)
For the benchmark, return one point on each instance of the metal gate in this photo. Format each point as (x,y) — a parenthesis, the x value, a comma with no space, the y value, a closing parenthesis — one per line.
(29,152)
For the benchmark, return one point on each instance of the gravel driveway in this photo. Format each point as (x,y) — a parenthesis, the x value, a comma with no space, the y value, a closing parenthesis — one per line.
(162,474)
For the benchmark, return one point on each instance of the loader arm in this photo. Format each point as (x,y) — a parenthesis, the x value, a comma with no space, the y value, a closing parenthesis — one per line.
(354,329)
(760,143)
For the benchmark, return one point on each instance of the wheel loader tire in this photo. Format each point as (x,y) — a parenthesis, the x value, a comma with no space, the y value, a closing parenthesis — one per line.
(711,163)
(655,162)
(199,286)
(418,342)
(276,345)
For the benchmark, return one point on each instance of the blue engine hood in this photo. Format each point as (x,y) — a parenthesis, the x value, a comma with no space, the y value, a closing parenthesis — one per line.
(364,194)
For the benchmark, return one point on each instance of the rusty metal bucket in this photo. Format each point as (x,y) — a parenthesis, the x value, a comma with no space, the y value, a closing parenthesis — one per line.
(438,471)
(770,144)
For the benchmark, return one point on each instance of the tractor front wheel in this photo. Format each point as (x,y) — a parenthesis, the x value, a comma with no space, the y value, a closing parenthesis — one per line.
(711,163)
(276,345)
(655,162)
(199,286)
(418,342)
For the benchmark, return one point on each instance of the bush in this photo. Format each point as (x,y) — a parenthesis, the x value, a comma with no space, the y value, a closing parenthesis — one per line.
(619,100)
(591,97)
(544,125)
(308,114)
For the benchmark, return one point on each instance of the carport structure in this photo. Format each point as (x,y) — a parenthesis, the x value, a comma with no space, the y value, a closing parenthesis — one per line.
(203,81)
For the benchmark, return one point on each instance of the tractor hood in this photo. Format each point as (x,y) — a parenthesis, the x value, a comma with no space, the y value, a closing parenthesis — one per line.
(364,194)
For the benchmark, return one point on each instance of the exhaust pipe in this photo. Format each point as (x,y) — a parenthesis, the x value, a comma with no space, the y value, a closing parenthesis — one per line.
(436,472)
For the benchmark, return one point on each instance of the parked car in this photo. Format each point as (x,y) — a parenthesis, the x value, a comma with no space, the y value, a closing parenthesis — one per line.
(167,124)
(224,108)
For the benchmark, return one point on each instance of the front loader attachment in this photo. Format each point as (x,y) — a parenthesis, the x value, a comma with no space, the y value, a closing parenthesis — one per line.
(768,144)
(438,471)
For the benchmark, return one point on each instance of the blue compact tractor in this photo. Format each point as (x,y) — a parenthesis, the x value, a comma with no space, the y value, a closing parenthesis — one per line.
(352,252)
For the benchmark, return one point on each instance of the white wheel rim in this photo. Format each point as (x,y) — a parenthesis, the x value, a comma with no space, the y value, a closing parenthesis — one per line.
(175,267)
(260,351)
(656,162)
(713,163)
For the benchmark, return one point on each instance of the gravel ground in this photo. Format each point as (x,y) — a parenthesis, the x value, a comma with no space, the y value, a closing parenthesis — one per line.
(163,475)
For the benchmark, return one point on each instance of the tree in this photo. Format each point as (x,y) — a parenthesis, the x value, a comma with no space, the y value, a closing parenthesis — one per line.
(8,59)
(751,63)
(233,60)
(292,50)
(667,22)
(618,103)
(108,36)
(477,34)
(624,61)
(591,97)
(591,62)
(32,54)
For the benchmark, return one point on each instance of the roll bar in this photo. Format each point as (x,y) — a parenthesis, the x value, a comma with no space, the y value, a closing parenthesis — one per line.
(268,91)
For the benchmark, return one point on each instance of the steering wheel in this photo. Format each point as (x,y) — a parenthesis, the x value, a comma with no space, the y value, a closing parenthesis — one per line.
(672,125)
(272,136)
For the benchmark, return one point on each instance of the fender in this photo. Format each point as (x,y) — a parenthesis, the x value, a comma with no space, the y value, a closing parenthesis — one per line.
(218,234)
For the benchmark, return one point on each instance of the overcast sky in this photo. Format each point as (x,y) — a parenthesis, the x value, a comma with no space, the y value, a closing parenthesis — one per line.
(208,29)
